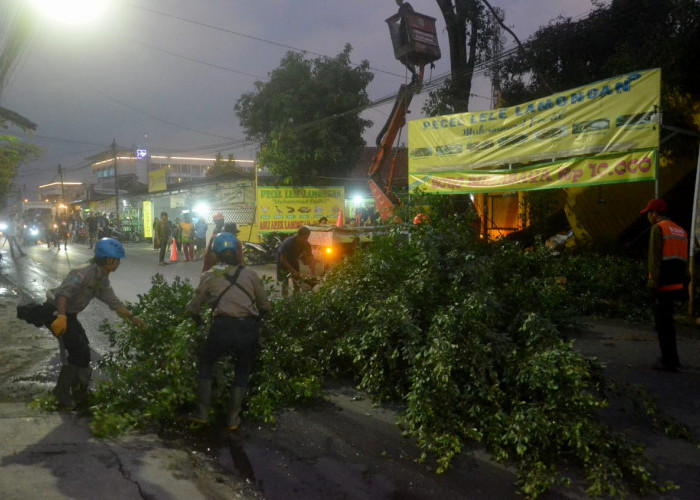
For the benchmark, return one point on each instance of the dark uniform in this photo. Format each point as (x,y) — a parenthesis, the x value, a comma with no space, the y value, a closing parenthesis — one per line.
(235,324)
(80,286)
(668,271)
(62,306)
(289,252)
(238,299)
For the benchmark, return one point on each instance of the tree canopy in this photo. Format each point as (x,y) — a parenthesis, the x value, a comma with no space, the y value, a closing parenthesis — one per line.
(12,153)
(17,26)
(307,117)
(223,168)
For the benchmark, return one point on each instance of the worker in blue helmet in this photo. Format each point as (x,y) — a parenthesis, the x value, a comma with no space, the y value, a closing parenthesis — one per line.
(237,300)
(77,290)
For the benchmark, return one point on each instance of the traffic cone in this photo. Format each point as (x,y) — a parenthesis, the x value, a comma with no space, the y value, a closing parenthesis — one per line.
(341,220)
(173,252)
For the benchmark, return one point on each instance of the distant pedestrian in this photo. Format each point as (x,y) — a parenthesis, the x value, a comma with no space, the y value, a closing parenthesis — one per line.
(76,291)
(92,229)
(163,232)
(667,279)
(11,236)
(156,241)
(232,227)
(187,237)
(200,236)
(62,233)
(177,234)
(209,258)
(238,300)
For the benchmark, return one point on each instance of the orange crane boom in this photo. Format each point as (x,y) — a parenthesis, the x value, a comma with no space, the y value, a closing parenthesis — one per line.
(415,44)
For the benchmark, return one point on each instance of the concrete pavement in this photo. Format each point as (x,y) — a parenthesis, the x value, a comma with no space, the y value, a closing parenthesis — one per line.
(54,456)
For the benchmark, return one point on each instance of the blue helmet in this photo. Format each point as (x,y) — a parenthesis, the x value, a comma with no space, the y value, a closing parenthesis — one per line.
(109,247)
(224,241)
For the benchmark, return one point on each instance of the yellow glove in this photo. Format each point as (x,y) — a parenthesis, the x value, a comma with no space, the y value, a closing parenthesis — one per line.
(59,325)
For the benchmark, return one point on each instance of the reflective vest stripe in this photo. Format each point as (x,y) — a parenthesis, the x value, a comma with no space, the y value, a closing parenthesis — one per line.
(674,247)
(670,288)
(675,241)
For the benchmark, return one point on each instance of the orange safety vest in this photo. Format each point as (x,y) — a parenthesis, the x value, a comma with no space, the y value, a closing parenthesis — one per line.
(674,256)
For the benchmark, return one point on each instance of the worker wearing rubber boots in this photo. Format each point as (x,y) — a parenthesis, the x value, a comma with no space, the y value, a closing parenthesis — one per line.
(238,301)
(73,295)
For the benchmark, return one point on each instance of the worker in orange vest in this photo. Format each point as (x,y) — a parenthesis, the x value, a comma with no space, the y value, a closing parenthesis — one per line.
(667,278)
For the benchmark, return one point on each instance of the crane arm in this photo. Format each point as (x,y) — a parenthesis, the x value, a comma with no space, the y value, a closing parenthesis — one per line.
(384,199)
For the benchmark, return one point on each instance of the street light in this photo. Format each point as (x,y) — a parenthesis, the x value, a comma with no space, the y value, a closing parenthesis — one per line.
(71,11)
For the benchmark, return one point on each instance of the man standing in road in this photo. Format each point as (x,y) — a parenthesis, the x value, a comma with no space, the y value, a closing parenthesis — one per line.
(187,237)
(200,237)
(92,229)
(62,231)
(667,278)
(11,236)
(289,253)
(68,299)
(163,231)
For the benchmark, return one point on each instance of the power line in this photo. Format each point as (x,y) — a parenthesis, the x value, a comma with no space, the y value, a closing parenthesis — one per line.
(56,139)
(244,35)
(211,65)
(157,118)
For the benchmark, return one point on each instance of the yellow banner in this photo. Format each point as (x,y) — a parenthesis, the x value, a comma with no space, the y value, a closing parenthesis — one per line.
(615,115)
(283,209)
(158,180)
(147,219)
(602,169)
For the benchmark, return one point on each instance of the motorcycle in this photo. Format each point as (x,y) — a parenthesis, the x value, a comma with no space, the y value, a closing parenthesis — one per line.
(110,231)
(79,234)
(261,253)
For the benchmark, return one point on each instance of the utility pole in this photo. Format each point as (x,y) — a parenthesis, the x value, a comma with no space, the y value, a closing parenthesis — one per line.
(116,184)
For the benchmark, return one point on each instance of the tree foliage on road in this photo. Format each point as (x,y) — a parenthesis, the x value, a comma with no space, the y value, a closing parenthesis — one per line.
(307,117)
(622,37)
(468,337)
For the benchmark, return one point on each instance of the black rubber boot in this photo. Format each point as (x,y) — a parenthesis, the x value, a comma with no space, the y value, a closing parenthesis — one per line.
(80,387)
(234,413)
(66,378)
(201,415)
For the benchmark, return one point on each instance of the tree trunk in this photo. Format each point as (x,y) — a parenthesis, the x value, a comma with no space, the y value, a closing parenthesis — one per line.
(462,54)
